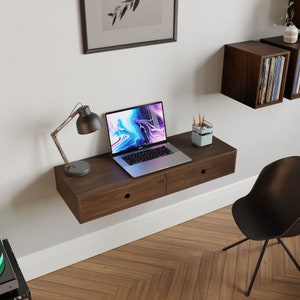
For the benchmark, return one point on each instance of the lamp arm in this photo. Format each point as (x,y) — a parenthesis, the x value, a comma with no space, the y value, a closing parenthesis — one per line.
(55,132)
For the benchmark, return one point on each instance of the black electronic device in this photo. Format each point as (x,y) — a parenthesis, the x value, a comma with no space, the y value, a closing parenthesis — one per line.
(8,279)
(12,283)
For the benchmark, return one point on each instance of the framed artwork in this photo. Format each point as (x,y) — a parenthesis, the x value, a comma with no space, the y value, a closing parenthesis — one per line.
(118,24)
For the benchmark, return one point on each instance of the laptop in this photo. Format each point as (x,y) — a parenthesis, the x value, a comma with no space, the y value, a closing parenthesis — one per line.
(138,140)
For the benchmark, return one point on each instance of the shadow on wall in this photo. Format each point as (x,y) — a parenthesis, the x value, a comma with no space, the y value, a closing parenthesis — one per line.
(208,77)
(35,201)
(37,193)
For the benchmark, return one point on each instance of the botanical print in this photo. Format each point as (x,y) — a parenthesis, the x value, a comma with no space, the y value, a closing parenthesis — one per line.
(121,9)
(121,14)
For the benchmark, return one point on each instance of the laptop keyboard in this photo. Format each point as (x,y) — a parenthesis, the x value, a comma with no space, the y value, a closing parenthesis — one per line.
(146,155)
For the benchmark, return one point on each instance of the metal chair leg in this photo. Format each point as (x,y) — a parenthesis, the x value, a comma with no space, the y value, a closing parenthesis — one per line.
(257,267)
(235,244)
(289,253)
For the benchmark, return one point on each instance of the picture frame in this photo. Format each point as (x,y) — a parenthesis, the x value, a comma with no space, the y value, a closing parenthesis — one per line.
(118,24)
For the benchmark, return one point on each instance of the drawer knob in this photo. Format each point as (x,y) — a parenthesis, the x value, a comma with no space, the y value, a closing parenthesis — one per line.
(127,196)
(203,171)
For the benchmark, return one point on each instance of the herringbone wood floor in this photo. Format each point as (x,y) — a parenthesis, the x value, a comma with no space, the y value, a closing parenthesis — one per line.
(181,263)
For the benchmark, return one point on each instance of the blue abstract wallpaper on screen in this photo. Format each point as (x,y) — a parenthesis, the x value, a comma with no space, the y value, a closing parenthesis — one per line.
(136,127)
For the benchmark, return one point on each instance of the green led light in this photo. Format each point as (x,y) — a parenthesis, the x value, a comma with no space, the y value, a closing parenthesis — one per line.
(2,264)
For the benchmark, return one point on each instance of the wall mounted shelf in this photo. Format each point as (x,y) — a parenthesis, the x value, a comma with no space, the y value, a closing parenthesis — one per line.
(292,87)
(247,71)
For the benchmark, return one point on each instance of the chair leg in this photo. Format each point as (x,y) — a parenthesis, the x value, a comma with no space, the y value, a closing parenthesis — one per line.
(235,244)
(289,253)
(257,267)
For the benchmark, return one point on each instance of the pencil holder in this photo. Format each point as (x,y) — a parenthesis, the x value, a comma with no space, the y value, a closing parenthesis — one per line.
(202,136)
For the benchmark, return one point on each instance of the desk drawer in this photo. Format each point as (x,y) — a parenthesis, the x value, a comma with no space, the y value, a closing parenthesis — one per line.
(194,173)
(138,191)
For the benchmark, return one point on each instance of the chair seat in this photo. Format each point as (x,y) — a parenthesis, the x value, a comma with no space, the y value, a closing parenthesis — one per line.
(256,224)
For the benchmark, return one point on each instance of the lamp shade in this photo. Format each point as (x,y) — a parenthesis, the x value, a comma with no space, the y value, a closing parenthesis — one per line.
(87,121)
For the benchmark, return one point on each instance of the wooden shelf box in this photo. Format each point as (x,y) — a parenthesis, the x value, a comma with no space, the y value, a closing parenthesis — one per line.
(254,73)
(292,87)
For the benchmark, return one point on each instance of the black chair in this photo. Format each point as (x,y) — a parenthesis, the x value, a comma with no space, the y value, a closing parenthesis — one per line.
(271,210)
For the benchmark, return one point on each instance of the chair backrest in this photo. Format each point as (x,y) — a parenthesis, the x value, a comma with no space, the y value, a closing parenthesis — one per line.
(277,191)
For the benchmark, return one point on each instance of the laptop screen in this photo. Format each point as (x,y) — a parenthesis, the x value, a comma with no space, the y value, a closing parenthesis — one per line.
(135,128)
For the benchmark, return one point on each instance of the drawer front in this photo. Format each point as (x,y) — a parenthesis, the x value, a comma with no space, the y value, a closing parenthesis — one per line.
(140,190)
(198,172)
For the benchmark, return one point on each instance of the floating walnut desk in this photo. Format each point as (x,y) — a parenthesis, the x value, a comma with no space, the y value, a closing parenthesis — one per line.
(108,189)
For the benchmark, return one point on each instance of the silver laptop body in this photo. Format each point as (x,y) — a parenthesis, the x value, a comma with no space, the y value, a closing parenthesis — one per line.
(137,130)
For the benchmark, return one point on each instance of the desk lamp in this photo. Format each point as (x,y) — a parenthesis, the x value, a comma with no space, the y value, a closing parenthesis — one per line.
(87,122)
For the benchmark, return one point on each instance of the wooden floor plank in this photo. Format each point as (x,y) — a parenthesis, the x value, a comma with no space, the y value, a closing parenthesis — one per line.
(205,273)
(178,281)
(189,284)
(216,277)
(229,275)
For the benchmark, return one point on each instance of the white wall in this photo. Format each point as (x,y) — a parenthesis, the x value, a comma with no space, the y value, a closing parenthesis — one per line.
(44,73)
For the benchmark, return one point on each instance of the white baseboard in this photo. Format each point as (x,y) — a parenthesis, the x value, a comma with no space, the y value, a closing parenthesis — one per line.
(70,252)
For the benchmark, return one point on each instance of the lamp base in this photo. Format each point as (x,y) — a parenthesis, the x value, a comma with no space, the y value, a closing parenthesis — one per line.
(77,168)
